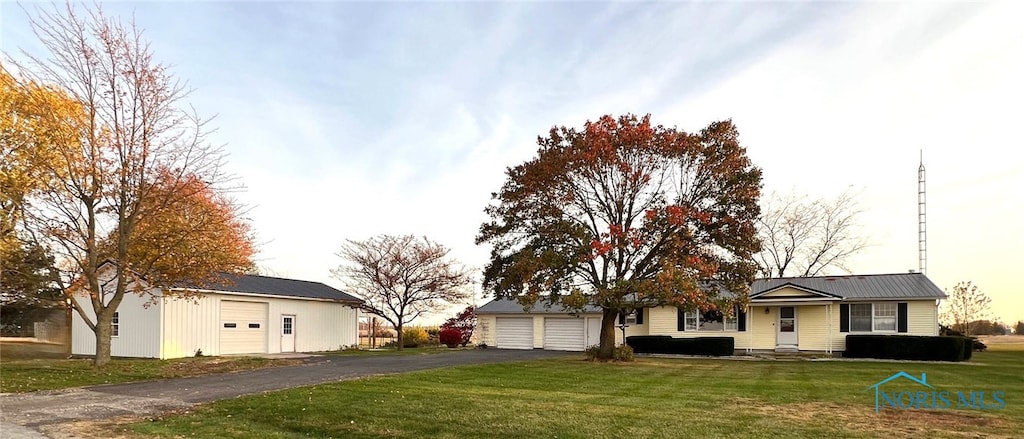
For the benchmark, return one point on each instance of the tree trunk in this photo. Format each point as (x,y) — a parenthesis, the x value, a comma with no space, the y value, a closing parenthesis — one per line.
(103,334)
(401,337)
(607,349)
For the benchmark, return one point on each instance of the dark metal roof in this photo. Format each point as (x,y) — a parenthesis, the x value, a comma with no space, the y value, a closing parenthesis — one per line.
(276,286)
(505,306)
(854,287)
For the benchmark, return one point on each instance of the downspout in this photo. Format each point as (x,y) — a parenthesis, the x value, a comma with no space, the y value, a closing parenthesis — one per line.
(163,309)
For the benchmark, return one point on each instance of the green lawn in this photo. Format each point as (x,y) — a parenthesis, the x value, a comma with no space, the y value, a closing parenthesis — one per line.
(46,374)
(647,398)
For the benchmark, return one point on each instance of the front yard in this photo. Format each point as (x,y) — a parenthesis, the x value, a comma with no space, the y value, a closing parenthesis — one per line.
(648,398)
(18,376)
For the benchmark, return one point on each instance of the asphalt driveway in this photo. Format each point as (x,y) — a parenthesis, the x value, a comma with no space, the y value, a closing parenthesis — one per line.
(32,414)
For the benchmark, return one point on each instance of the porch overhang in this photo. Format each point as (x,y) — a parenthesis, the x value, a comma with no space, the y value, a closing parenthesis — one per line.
(794,301)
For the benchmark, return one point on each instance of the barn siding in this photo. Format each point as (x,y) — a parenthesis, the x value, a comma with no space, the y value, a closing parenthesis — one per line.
(319,326)
(190,325)
(138,327)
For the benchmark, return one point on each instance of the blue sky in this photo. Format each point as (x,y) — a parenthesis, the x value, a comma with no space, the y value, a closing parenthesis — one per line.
(346,120)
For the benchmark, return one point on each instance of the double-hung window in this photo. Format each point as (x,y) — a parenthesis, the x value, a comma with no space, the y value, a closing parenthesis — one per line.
(115,326)
(692,321)
(885,316)
(860,317)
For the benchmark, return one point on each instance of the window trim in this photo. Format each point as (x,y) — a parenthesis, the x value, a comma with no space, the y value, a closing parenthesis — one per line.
(115,325)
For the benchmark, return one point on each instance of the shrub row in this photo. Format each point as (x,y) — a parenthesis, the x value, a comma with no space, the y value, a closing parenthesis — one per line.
(663,344)
(909,347)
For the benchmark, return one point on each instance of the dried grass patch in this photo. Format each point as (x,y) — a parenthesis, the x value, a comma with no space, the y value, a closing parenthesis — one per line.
(888,422)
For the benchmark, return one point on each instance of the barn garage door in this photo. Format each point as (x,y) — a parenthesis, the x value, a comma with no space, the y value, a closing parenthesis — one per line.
(515,332)
(563,334)
(243,327)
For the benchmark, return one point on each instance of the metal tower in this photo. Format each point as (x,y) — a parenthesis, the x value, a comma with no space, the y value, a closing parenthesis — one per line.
(922,230)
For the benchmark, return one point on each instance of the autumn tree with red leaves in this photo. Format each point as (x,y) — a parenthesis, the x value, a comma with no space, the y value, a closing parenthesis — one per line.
(401,278)
(623,215)
(129,178)
(464,322)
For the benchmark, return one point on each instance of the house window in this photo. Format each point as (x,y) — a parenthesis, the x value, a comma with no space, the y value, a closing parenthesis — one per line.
(885,317)
(860,317)
(691,321)
(709,321)
(115,326)
(731,323)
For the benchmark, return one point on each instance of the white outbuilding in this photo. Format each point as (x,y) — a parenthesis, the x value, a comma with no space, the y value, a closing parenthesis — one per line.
(243,314)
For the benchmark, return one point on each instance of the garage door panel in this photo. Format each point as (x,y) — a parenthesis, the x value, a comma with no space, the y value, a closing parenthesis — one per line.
(514,332)
(243,327)
(564,334)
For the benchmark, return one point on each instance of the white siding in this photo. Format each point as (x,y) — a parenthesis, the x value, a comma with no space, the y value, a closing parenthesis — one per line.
(319,326)
(485,329)
(138,327)
(190,326)
(922,318)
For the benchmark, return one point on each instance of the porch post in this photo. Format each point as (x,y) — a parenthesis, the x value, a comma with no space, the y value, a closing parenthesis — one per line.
(750,328)
(828,316)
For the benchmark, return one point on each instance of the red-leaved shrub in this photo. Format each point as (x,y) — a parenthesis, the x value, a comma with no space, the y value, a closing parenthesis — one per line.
(450,337)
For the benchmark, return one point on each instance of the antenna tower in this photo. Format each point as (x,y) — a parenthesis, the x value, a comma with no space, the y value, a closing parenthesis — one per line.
(922,230)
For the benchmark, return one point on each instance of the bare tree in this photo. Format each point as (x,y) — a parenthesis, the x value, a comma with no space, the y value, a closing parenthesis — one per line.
(965,307)
(400,278)
(126,155)
(802,236)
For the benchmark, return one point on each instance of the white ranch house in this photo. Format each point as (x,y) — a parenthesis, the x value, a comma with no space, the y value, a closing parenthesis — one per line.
(245,314)
(784,314)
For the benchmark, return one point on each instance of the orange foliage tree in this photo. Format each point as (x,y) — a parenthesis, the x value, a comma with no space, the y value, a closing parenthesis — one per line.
(624,215)
(132,179)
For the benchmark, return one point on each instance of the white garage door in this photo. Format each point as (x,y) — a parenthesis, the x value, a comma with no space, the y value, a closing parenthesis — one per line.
(243,327)
(563,334)
(515,332)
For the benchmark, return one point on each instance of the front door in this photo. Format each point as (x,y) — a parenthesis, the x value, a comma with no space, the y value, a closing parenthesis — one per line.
(287,333)
(787,326)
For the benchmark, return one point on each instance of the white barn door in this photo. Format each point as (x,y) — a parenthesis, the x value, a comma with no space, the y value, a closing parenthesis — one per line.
(243,327)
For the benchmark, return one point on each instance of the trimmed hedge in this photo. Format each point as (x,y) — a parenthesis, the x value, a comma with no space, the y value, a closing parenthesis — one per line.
(908,347)
(663,344)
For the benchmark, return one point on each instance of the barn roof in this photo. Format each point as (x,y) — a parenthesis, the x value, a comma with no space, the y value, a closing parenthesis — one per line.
(276,286)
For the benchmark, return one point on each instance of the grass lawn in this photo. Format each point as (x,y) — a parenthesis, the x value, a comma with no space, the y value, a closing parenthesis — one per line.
(47,374)
(651,397)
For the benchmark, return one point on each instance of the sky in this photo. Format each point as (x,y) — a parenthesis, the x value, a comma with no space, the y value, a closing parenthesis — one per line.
(345,120)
